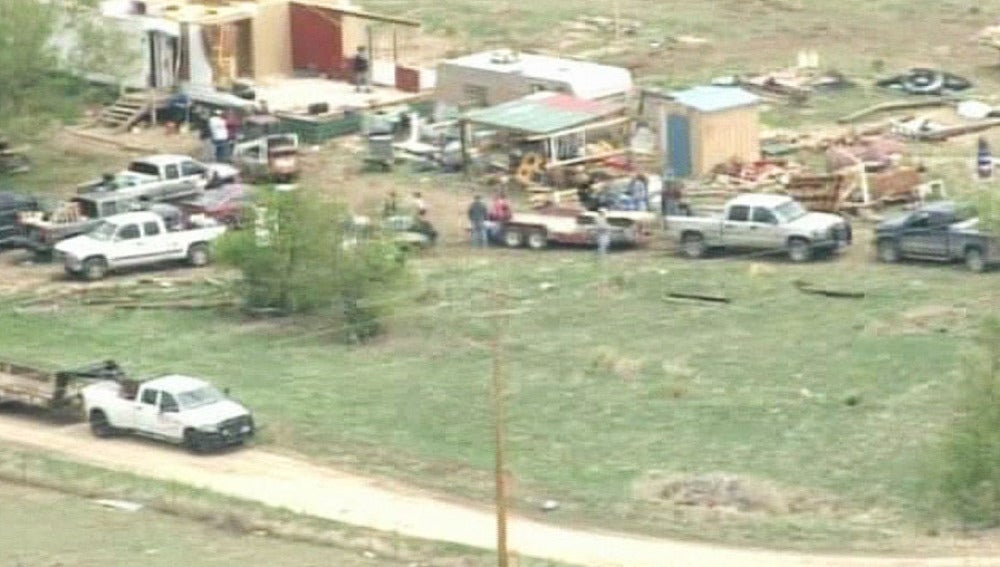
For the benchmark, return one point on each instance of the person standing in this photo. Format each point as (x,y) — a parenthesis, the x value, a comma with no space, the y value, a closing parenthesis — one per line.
(220,135)
(419,206)
(390,207)
(638,189)
(361,69)
(603,229)
(234,128)
(477,216)
(984,159)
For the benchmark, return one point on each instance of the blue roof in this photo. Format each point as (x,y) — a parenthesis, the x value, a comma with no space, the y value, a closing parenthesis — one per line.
(712,99)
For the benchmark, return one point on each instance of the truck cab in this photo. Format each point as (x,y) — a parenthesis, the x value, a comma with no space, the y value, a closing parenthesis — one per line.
(174,408)
(761,222)
(162,177)
(135,239)
(940,231)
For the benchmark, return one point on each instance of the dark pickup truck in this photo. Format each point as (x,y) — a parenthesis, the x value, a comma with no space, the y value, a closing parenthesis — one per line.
(11,206)
(939,231)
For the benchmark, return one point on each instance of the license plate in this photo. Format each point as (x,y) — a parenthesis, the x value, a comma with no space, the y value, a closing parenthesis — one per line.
(245,429)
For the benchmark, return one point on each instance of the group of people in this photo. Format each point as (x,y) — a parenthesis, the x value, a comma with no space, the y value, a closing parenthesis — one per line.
(487,221)
(220,132)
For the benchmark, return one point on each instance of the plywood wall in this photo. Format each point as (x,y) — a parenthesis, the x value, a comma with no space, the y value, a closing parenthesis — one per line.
(272,41)
(718,137)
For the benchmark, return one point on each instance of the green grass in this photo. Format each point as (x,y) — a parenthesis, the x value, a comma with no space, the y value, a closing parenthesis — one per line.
(595,399)
(49,528)
(181,525)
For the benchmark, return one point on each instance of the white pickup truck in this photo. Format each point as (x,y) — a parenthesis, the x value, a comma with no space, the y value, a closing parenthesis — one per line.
(173,408)
(163,177)
(774,223)
(137,239)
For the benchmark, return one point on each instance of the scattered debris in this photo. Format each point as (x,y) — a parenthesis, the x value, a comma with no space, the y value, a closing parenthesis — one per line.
(806,287)
(922,81)
(123,505)
(549,506)
(974,110)
(699,297)
(893,106)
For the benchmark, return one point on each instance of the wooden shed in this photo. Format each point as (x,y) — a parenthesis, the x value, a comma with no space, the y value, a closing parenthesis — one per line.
(703,127)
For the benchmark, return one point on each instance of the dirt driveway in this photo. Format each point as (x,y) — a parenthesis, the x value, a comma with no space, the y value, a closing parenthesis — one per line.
(302,487)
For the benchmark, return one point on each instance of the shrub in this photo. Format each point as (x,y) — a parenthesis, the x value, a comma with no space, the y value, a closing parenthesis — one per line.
(301,255)
(968,472)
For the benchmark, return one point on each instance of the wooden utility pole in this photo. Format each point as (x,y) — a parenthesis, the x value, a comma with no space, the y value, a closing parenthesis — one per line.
(498,426)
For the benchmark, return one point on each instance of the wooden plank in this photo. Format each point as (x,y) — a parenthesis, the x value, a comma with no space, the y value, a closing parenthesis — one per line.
(894,105)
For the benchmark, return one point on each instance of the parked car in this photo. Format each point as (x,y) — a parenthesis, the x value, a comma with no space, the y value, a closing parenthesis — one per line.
(137,239)
(174,408)
(163,177)
(939,231)
(266,153)
(226,204)
(557,225)
(11,205)
(761,222)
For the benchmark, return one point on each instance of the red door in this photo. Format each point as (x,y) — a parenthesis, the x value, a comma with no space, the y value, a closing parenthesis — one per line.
(316,40)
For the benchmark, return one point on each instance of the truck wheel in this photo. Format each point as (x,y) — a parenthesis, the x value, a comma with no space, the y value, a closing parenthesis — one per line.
(974,260)
(888,251)
(198,255)
(513,238)
(195,442)
(693,245)
(537,240)
(94,269)
(799,250)
(99,425)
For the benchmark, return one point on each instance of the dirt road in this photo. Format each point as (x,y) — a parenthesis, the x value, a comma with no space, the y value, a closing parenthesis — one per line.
(297,485)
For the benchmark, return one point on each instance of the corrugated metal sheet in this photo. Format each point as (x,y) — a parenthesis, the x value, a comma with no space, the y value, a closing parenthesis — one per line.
(542,113)
(714,99)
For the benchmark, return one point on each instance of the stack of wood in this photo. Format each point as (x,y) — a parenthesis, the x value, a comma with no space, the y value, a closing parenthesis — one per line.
(539,196)
(823,193)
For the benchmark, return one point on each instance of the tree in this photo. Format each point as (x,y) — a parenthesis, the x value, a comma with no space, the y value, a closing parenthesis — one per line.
(303,256)
(103,50)
(969,460)
(34,87)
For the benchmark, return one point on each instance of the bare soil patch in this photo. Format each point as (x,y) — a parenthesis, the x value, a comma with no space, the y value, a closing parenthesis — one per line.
(724,492)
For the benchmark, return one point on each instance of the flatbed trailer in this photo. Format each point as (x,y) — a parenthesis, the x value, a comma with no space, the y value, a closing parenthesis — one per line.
(52,390)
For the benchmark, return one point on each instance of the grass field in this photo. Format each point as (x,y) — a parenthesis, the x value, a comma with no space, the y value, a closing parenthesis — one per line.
(180,525)
(48,528)
(611,387)
(608,383)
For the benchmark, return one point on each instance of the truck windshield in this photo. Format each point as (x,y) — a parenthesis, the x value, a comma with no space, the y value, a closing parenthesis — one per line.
(144,168)
(200,397)
(790,211)
(104,231)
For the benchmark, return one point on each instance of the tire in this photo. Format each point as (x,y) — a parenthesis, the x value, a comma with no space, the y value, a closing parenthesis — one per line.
(94,269)
(799,250)
(693,245)
(513,238)
(974,260)
(194,442)
(888,251)
(537,239)
(99,425)
(199,255)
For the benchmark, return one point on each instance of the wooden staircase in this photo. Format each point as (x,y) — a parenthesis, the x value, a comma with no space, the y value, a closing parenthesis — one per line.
(130,108)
